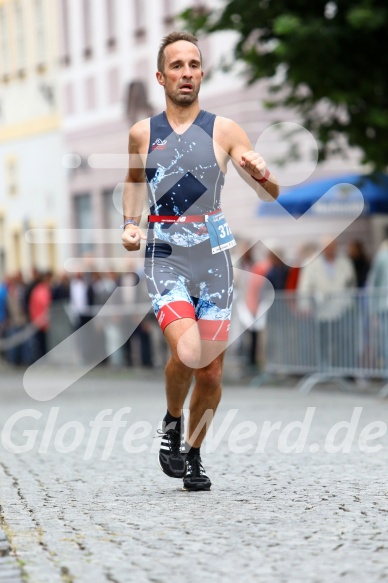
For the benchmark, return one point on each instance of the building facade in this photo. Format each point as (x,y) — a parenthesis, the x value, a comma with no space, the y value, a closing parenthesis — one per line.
(32,183)
(109,50)
(72,82)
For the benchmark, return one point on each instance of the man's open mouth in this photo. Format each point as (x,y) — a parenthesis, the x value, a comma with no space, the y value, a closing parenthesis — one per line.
(186,86)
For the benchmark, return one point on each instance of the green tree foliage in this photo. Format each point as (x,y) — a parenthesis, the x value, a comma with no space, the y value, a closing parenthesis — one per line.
(328,60)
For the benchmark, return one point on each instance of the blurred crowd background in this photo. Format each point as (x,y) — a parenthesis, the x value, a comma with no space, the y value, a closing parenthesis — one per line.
(37,313)
(76,74)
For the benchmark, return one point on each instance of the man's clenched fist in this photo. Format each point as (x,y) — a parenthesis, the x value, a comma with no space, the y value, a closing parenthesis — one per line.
(132,237)
(253,163)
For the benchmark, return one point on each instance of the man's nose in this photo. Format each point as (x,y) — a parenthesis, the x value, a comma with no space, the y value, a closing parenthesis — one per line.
(187,71)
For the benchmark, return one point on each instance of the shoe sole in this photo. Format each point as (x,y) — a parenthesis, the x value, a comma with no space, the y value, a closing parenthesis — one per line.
(206,489)
(170,475)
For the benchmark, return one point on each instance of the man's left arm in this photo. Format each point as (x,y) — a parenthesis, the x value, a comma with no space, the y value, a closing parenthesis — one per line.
(249,164)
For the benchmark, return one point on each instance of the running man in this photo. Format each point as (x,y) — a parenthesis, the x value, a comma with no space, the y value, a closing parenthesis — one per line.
(179,159)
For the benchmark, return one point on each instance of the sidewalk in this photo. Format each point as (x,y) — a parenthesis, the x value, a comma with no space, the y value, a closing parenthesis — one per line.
(271,516)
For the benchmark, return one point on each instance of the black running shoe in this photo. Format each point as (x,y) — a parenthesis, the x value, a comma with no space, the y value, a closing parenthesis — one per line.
(195,478)
(171,458)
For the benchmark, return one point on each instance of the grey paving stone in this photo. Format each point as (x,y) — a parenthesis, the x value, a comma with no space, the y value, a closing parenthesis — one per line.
(10,571)
(272,516)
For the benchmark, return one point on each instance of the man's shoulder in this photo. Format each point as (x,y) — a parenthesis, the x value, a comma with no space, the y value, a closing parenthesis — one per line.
(140,127)
(227,130)
(226,122)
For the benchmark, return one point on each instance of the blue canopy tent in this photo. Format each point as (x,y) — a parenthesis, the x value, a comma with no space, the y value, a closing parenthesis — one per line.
(340,193)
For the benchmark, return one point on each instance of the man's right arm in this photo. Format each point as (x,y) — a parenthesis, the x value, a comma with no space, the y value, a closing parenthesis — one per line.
(134,188)
(233,141)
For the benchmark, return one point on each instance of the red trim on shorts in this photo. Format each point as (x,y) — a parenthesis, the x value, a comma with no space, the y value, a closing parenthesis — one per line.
(208,329)
(214,329)
(175,311)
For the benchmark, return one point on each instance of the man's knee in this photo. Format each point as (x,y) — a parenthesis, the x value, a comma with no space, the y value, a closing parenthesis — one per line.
(185,342)
(189,353)
(210,376)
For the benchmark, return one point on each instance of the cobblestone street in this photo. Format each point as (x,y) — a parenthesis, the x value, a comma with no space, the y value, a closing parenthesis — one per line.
(102,511)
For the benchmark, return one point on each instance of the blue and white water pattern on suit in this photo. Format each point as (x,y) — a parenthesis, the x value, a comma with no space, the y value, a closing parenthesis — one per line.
(184,178)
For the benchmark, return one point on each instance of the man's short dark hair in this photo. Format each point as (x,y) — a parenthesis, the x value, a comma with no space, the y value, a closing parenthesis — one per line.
(171,38)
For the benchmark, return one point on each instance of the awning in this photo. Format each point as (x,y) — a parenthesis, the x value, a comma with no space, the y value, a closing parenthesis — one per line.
(342,193)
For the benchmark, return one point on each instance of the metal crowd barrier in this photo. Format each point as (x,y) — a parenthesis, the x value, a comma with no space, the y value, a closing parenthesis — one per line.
(106,334)
(320,337)
(329,337)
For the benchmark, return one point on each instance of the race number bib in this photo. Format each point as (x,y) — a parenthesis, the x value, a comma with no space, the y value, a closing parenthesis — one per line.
(221,237)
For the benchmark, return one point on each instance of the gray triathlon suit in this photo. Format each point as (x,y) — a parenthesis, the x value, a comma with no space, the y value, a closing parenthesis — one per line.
(184,279)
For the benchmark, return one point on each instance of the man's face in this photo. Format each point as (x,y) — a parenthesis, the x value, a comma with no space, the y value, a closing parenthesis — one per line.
(182,73)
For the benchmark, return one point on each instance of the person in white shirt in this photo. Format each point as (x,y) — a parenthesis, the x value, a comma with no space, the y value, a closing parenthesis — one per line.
(323,285)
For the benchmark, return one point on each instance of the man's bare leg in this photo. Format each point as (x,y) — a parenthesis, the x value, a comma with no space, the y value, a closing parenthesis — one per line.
(185,362)
(186,349)
(178,374)
(205,397)
(203,405)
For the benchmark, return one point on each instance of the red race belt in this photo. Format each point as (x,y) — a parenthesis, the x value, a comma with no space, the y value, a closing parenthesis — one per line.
(180,218)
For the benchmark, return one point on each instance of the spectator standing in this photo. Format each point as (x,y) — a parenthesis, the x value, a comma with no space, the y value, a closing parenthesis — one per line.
(361,263)
(254,289)
(277,276)
(325,281)
(134,292)
(3,309)
(81,302)
(108,332)
(19,351)
(3,304)
(28,287)
(377,283)
(61,288)
(39,312)
(305,254)
(278,272)
(81,298)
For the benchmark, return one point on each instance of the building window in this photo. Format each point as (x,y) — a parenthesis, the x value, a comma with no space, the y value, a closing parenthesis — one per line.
(87,29)
(20,37)
(12,175)
(69,99)
(83,219)
(90,93)
(111,214)
(168,16)
(40,34)
(112,217)
(137,104)
(140,20)
(114,86)
(4,44)
(110,24)
(65,32)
